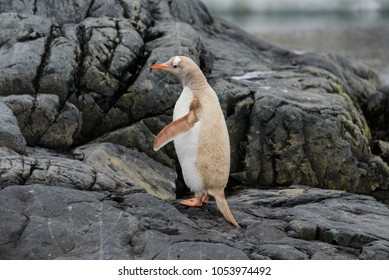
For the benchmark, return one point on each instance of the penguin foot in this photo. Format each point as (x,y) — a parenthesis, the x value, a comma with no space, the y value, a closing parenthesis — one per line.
(197,201)
(205,198)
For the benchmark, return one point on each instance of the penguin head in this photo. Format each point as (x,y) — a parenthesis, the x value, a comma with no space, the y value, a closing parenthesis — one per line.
(182,67)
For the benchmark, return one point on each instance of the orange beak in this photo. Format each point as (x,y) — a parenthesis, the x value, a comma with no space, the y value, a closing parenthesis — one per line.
(159,66)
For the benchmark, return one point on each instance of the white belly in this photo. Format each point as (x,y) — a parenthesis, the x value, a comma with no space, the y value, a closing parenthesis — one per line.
(186,145)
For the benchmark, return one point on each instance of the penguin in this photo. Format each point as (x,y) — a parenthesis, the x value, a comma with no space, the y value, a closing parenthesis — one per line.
(200,136)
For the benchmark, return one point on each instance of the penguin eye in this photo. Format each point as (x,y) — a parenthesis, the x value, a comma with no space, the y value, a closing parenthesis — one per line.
(175,66)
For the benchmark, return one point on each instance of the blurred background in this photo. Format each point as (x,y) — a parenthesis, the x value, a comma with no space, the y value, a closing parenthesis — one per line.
(356,29)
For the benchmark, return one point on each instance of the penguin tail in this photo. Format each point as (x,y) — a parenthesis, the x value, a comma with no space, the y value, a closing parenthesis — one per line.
(222,204)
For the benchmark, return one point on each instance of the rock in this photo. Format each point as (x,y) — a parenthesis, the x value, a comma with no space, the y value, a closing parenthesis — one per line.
(44,121)
(110,49)
(47,170)
(200,250)
(10,135)
(285,140)
(60,223)
(22,52)
(75,83)
(104,167)
(378,250)
(59,75)
(281,252)
(161,230)
(302,229)
(327,216)
(131,167)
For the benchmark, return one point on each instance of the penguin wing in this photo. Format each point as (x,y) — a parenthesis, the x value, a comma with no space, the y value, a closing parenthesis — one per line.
(175,129)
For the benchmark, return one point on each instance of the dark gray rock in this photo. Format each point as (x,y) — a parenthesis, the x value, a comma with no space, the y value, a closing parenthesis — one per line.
(60,72)
(45,169)
(378,250)
(23,48)
(60,223)
(44,121)
(333,217)
(141,135)
(45,222)
(288,131)
(76,76)
(10,135)
(136,11)
(99,167)
(200,250)
(110,49)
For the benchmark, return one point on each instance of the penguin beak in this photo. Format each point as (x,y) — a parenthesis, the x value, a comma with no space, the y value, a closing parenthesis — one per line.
(159,66)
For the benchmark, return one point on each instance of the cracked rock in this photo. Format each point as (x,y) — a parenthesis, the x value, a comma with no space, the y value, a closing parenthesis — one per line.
(10,134)
(46,122)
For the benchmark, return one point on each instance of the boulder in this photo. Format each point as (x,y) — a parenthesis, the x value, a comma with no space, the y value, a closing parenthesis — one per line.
(10,135)
(44,121)
(24,46)
(131,167)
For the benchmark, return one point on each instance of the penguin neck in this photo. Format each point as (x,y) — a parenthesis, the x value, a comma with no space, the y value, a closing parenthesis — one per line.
(195,81)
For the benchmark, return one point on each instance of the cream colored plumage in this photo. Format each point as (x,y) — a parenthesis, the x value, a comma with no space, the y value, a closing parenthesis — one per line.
(200,135)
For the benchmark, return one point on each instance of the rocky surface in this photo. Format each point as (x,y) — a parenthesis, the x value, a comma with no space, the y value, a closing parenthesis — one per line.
(79,108)
(41,222)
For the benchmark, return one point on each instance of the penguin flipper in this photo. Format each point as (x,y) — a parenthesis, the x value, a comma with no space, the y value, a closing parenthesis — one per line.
(174,129)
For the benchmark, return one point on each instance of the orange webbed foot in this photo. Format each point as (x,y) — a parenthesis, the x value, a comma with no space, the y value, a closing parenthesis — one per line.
(197,201)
